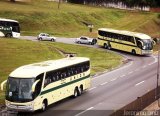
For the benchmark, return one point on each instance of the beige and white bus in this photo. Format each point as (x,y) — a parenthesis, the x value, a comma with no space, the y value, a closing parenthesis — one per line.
(135,43)
(35,86)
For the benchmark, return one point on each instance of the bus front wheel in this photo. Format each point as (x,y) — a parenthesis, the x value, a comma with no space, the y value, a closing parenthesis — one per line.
(133,52)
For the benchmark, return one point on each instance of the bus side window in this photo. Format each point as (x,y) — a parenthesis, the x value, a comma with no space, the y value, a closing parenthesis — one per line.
(107,34)
(1,24)
(132,40)
(101,33)
(120,37)
(48,79)
(53,76)
(79,68)
(57,76)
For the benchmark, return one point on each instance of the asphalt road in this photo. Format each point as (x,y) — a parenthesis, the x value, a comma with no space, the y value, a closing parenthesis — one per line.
(110,91)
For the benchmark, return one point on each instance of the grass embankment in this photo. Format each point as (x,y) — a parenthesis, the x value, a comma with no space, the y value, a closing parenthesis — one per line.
(43,16)
(15,53)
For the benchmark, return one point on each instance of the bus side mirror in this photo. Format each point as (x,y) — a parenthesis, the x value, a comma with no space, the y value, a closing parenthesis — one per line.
(34,85)
(2,85)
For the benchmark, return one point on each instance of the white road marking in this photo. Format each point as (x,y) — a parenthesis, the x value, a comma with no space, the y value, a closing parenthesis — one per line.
(155,60)
(95,77)
(130,72)
(151,63)
(139,83)
(113,79)
(99,103)
(104,83)
(144,66)
(92,88)
(137,69)
(123,76)
(84,111)
(120,68)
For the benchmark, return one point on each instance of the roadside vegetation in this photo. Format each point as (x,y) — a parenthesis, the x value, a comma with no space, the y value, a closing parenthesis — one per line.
(70,20)
(15,53)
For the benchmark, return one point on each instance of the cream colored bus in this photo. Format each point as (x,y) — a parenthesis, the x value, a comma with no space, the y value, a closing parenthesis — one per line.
(35,86)
(136,43)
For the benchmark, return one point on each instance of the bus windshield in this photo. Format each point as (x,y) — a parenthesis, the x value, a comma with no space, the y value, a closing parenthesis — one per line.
(19,90)
(147,44)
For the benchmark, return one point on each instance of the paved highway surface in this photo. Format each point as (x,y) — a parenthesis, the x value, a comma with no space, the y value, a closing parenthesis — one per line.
(110,91)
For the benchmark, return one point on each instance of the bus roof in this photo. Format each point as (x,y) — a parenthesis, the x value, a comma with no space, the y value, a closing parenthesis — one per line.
(9,20)
(33,70)
(123,32)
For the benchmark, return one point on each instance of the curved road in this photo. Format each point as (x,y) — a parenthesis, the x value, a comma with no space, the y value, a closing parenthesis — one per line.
(110,91)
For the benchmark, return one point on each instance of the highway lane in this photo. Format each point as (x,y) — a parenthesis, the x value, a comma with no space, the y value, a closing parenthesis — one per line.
(58,39)
(110,91)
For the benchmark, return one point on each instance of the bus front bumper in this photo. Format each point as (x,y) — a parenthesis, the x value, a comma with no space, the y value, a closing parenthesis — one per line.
(147,52)
(20,108)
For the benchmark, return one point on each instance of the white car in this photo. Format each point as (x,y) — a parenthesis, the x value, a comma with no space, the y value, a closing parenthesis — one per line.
(45,36)
(86,40)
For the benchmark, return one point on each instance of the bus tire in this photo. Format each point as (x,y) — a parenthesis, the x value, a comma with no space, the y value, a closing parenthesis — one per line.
(76,92)
(133,52)
(44,105)
(80,90)
(9,35)
(105,46)
(109,47)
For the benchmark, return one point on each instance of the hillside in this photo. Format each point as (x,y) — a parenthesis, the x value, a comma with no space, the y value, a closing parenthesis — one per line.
(15,53)
(42,16)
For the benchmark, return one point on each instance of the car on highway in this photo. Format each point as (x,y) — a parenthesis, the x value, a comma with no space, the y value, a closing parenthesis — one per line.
(86,40)
(45,36)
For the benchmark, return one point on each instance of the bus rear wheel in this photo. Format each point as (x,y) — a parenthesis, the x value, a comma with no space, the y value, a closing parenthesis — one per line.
(105,46)
(109,47)
(80,90)
(44,105)
(76,92)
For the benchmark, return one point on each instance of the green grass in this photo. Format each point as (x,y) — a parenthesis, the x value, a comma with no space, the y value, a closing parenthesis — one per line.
(15,53)
(42,16)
